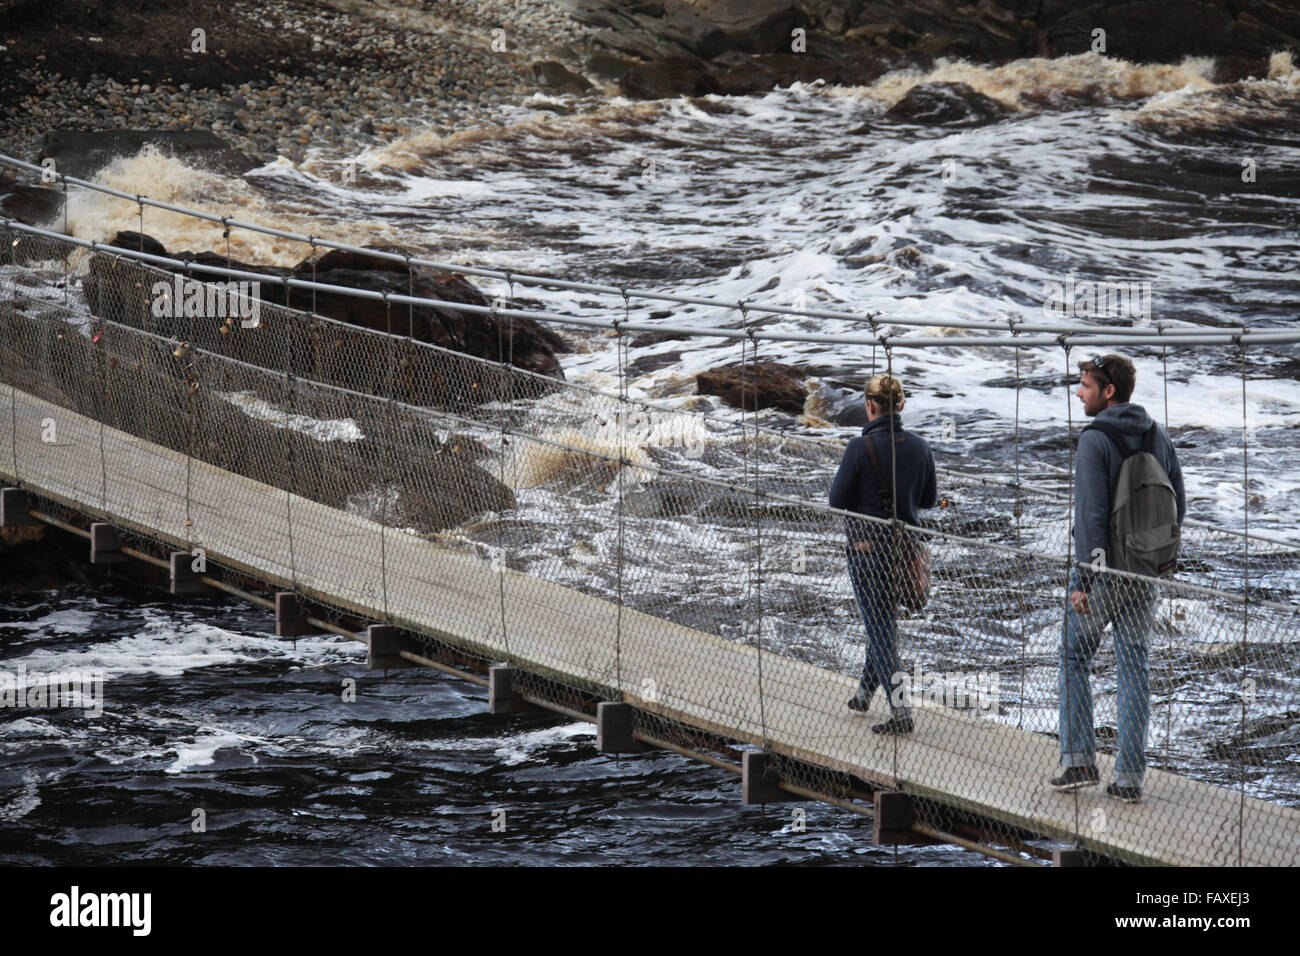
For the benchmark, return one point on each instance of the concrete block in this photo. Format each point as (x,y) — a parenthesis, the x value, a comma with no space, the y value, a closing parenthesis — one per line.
(15,508)
(383,642)
(614,729)
(502,697)
(182,577)
(759,781)
(105,544)
(291,616)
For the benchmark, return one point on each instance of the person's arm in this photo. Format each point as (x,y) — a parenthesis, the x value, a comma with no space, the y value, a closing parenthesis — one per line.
(930,491)
(1176,479)
(845,482)
(1091,504)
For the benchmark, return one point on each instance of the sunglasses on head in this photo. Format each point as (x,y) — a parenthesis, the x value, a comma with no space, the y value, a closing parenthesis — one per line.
(1098,364)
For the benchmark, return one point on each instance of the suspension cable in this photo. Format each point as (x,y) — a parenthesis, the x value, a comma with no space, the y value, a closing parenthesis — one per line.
(620,345)
(1017,510)
(1245,606)
(1069,565)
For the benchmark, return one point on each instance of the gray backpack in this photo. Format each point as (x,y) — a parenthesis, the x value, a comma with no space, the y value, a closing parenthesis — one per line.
(1144,532)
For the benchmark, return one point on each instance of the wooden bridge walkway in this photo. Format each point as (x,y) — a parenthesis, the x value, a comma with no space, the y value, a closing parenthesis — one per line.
(338,558)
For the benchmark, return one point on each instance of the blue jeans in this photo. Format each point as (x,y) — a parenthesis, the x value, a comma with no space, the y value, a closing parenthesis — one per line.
(1130,607)
(868,572)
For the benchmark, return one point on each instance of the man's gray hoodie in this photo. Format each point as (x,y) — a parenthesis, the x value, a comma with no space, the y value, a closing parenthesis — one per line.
(1097,467)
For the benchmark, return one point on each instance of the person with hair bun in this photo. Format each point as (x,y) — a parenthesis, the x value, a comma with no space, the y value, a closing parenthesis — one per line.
(907,458)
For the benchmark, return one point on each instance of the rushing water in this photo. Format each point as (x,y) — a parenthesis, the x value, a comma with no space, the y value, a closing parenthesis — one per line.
(808,196)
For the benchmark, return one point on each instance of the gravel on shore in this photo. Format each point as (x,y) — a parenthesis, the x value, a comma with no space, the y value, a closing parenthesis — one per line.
(277,76)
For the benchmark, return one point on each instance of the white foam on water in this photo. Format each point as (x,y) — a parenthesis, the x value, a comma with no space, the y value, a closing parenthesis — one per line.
(25,727)
(521,747)
(329,429)
(27,800)
(165,648)
(153,173)
(66,621)
(202,751)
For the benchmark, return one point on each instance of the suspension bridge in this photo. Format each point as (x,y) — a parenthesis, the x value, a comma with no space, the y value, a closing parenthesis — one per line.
(673,576)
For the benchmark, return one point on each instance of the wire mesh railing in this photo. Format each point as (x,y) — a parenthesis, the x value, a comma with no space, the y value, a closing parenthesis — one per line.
(687,525)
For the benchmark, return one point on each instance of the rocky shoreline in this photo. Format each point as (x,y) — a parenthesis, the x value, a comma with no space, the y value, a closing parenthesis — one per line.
(277,77)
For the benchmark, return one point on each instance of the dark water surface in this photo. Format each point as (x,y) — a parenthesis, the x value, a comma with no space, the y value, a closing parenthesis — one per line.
(205,709)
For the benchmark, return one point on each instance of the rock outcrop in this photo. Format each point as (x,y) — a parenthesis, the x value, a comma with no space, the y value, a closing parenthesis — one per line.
(82,153)
(752,386)
(692,47)
(946,104)
(288,341)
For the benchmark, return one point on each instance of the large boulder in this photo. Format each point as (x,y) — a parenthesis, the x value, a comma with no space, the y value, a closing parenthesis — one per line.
(946,104)
(758,26)
(523,342)
(82,153)
(558,78)
(123,292)
(916,32)
(34,205)
(176,399)
(751,386)
(666,78)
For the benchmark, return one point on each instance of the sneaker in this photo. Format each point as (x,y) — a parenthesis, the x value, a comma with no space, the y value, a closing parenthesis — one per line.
(894,725)
(858,702)
(1127,794)
(1075,778)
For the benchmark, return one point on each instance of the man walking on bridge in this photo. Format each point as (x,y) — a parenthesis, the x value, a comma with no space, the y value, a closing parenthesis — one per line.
(1128,525)
(863,484)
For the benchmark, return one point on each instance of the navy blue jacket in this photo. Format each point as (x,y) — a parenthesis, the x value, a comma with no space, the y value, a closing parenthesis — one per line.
(855,487)
(1096,473)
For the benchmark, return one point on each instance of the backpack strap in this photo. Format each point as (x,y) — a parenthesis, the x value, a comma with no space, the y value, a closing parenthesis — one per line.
(1116,437)
(885,487)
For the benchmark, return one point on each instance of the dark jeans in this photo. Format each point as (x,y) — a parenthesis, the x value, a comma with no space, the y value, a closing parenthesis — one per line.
(868,573)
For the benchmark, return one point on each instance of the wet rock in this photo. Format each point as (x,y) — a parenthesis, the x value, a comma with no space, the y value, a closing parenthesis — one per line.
(82,153)
(524,342)
(150,392)
(753,386)
(946,104)
(558,78)
(1234,69)
(421,376)
(1160,31)
(661,500)
(607,67)
(685,26)
(667,78)
(34,205)
(758,26)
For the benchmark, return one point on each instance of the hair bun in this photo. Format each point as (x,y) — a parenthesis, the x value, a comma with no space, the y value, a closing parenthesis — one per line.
(885,390)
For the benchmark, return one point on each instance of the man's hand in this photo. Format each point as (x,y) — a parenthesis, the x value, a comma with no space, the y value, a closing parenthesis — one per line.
(1079,601)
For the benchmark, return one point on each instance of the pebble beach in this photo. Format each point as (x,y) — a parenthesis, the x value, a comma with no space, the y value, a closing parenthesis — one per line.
(344,74)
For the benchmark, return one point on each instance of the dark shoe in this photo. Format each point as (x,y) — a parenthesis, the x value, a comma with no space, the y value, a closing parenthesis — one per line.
(894,725)
(1075,778)
(1127,794)
(858,702)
